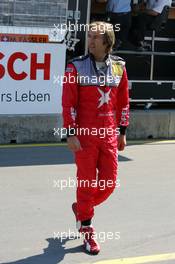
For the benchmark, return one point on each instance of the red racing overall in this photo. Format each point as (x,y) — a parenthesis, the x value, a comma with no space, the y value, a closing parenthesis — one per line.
(91,105)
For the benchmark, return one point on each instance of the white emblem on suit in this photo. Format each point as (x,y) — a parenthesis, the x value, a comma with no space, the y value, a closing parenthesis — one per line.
(104,97)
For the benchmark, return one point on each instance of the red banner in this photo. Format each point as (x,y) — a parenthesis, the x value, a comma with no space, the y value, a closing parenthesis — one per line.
(24,38)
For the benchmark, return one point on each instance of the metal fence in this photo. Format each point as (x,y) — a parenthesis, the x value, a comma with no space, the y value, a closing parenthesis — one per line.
(38,13)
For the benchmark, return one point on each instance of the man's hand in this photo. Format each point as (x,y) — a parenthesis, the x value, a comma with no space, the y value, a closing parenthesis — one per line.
(121,142)
(74,143)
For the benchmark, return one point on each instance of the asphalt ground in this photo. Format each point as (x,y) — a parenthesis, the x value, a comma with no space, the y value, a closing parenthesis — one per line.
(135,225)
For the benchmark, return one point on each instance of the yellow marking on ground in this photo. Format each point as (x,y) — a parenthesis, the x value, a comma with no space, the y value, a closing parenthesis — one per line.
(129,142)
(170,141)
(149,141)
(33,145)
(140,260)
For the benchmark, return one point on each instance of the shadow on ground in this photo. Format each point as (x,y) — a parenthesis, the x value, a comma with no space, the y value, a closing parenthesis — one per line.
(30,156)
(53,254)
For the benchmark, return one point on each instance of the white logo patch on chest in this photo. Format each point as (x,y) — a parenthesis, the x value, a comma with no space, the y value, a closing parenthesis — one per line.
(104,97)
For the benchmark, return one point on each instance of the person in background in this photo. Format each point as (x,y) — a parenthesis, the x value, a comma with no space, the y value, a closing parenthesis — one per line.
(119,12)
(146,18)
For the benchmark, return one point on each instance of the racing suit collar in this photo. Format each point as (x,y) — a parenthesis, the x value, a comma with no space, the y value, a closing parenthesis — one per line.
(106,58)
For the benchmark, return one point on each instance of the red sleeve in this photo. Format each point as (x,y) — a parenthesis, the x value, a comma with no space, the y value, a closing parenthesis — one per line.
(70,96)
(122,107)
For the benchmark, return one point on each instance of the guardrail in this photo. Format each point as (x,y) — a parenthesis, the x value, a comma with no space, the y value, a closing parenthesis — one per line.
(33,13)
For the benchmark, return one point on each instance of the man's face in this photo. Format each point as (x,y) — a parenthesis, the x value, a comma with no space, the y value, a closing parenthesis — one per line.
(96,44)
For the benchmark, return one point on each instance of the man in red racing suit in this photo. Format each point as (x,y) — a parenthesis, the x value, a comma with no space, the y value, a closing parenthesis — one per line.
(95,103)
